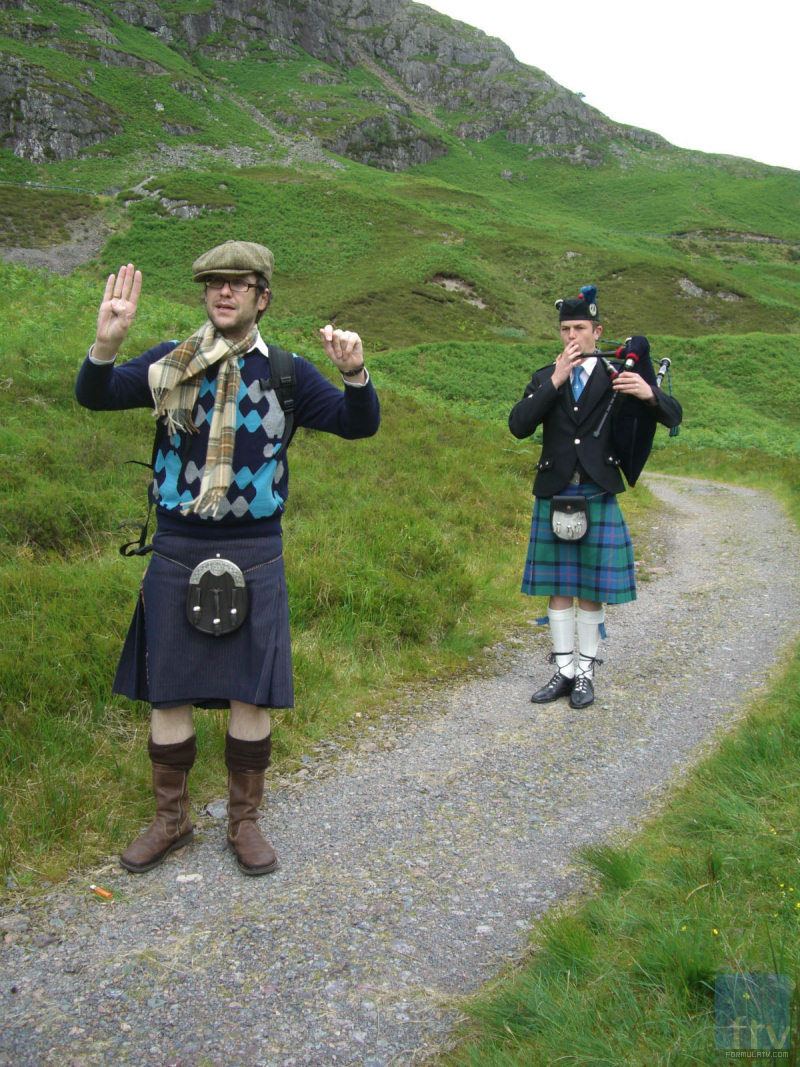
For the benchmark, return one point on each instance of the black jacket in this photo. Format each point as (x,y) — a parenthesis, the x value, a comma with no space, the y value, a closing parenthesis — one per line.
(569,427)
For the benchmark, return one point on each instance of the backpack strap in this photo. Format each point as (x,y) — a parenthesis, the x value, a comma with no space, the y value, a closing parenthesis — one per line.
(283,379)
(140,547)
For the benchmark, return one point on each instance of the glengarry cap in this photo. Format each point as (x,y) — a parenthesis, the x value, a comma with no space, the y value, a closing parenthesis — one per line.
(583,306)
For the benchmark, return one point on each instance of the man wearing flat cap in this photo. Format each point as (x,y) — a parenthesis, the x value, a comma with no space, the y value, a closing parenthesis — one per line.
(211,628)
(598,417)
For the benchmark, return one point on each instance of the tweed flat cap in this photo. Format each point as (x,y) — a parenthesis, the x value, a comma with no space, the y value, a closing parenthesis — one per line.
(234,257)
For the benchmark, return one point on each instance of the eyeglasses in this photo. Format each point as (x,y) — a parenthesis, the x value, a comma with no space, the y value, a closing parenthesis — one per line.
(236,285)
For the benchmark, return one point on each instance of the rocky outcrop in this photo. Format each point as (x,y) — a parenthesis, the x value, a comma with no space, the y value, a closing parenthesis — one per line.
(387,142)
(441,79)
(43,121)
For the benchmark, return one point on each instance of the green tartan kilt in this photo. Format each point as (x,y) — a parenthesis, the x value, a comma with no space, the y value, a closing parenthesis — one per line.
(599,567)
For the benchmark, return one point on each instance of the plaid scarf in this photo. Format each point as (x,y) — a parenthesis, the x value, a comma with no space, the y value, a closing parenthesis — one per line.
(175,382)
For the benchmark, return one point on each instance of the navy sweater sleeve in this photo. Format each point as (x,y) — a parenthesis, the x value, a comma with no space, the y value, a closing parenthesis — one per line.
(350,413)
(108,387)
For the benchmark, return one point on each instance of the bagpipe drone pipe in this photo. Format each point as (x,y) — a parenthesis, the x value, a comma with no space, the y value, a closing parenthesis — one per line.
(633,425)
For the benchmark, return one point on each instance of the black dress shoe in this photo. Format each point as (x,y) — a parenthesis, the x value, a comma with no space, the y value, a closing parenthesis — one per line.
(558,686)
(582,693)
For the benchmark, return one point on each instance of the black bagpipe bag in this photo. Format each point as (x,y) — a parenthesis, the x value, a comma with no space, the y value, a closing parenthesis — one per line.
(634,426)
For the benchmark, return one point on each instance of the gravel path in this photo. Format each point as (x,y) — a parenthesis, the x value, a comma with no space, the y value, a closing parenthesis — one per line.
(412,868)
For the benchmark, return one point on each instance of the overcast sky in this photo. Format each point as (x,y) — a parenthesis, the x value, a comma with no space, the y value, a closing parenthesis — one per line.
(715,76)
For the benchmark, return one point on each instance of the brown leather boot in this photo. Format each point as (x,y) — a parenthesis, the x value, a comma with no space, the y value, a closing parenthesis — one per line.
(254,854)
(171,829)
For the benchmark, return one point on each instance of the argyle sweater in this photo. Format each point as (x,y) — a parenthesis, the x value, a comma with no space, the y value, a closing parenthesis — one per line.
(260,487)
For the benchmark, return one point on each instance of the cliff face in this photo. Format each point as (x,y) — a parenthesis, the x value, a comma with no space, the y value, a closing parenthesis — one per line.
(393,83)
(42,120)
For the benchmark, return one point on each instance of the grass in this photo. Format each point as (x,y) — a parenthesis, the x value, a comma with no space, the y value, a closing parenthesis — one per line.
(41,217)
(709,888)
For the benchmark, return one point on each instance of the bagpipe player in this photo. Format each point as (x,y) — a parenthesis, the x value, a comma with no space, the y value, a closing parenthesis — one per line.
(598,419)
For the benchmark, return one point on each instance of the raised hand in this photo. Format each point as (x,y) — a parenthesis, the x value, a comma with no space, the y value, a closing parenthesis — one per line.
(117,311)
(343,348)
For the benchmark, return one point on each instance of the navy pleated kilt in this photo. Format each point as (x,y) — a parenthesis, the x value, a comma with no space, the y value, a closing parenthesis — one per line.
(167,662)
(599,567)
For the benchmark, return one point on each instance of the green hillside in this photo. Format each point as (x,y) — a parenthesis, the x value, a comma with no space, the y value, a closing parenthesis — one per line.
(688,250)
(448,269)
(178,134)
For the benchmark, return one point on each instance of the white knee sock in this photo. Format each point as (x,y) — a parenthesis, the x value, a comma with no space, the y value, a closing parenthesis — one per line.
(589,623)
(562,634)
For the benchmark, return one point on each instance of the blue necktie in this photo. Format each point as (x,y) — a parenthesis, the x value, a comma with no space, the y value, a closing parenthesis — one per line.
(577,382)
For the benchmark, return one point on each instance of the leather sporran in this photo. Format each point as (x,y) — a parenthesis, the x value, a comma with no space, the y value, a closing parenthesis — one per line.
(217,600)
(569,517)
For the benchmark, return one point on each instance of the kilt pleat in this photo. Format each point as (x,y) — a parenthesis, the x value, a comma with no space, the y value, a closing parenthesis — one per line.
(599,567)
(167,662)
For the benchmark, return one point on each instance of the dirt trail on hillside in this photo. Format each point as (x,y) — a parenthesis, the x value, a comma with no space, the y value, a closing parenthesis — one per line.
(88,237)
(413,867)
